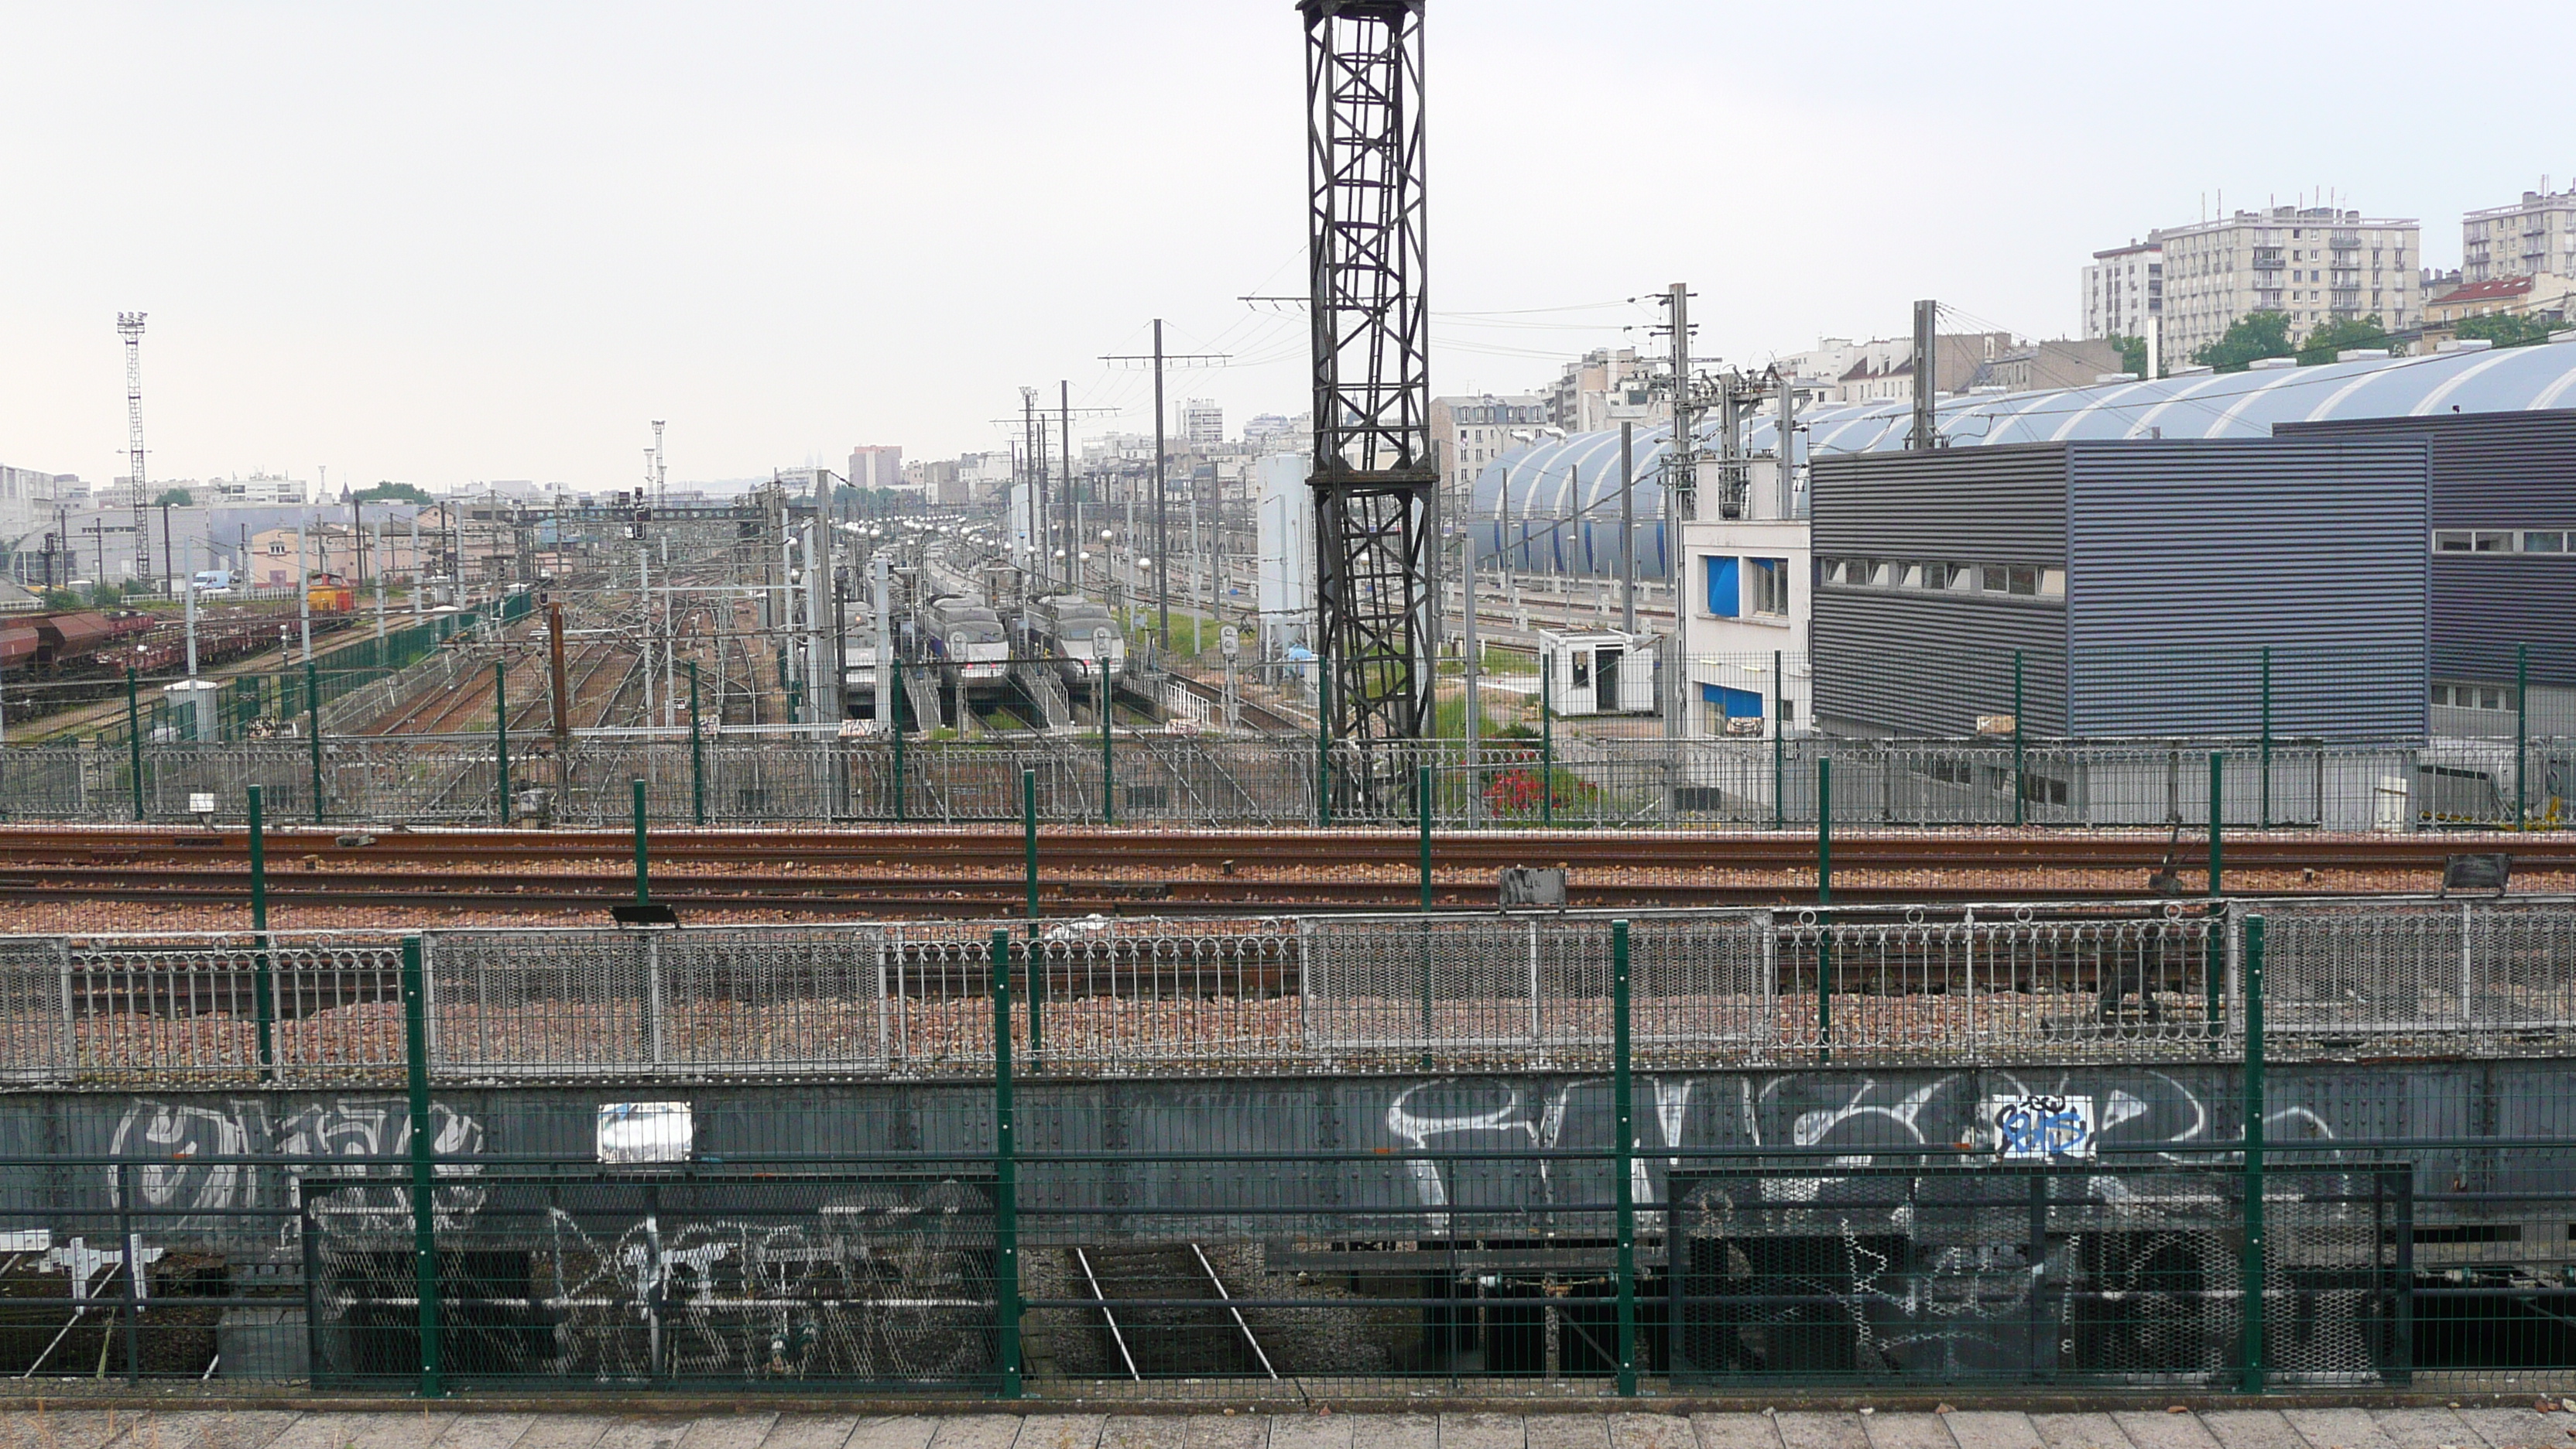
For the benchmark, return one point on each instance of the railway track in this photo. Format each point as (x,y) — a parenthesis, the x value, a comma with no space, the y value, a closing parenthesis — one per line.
(970,872)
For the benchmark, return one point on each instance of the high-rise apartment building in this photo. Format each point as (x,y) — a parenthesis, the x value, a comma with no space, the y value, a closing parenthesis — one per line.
(876,467)
(1202,423)
(2123,290)
(2317,264)
(1607,387)
(2533,236)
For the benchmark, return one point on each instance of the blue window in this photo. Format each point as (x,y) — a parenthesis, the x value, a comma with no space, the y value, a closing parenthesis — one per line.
(1732,703)
(1724,594)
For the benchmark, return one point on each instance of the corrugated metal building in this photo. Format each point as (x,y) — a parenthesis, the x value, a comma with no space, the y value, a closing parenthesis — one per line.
(2143,588)
(2503,550)
(1553,504)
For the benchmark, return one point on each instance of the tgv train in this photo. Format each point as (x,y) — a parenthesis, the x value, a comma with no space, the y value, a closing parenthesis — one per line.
(1064,626)
(967,641)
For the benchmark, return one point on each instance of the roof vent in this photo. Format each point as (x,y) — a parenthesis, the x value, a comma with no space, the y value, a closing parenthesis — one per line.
(2466,344)
(2567,336)
(2361,354)
(2266,364)
(2115,377)
(2197,369)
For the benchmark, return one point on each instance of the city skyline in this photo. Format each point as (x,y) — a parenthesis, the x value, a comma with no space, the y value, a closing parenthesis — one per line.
(471,243)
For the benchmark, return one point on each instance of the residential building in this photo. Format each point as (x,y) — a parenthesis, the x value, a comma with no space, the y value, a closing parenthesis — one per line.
(1882,369)
(2534,235)
(2317,264)
(1469,432)
(1606,387)
(333,549)
(876,468)
(257,490)
(2532,294)
(1267,433)
(2124,290)
(2060,362)
(1202,424)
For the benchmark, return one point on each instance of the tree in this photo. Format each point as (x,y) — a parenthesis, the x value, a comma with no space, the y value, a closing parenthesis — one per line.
(2256,334)
(2510,331)
(175,498)
(2133,353)
(2342,332)
(393,493)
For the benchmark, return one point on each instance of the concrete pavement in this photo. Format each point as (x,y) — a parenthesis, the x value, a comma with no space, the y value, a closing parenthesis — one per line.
(441,1427)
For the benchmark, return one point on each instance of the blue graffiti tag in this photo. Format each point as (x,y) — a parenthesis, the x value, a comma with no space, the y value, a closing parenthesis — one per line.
(2043,1125)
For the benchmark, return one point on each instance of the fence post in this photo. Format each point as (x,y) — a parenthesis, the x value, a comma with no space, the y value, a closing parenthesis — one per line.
(1422,808)
(2217,823)
(2521,732)
(643,861)
(424,1175)
(1029,833)
(1006,1176)
(132,1244)
(1824,897)
(1779,746)
(1546,740)
(1108,765)
(313,729)
(1622,1159)
(2019,793)
(2251,1269)
(501,733)
(1036,963)
(2266,816)
(134,737)
(697,755)
(263,982)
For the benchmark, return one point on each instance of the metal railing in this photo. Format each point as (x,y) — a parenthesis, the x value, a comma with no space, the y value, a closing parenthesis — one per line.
(1196,779)
(1317,995)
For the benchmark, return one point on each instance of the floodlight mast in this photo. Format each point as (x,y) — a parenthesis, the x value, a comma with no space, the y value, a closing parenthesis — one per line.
(1375,477)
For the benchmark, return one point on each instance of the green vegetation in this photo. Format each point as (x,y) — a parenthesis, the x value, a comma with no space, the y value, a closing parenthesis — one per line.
(2511,331)
(2252,336)
(1449,717)
(2133,353)
(392,493)
(2332,337)
(175,498)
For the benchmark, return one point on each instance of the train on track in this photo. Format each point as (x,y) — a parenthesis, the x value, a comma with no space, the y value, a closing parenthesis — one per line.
(1078,635)
(965,640)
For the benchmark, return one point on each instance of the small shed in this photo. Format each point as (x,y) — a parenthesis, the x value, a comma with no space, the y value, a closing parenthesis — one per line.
(1599,671)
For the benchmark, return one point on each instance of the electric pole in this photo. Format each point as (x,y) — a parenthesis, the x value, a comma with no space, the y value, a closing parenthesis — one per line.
(1162,514)
(1926,343)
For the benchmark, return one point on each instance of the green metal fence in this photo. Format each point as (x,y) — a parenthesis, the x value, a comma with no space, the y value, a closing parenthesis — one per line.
(1646,1220)
(1186,779)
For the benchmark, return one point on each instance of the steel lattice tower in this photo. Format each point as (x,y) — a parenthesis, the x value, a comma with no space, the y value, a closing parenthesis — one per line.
(129,325)
(1375,478)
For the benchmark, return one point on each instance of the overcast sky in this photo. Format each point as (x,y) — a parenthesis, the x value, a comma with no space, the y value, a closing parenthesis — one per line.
(455,242)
